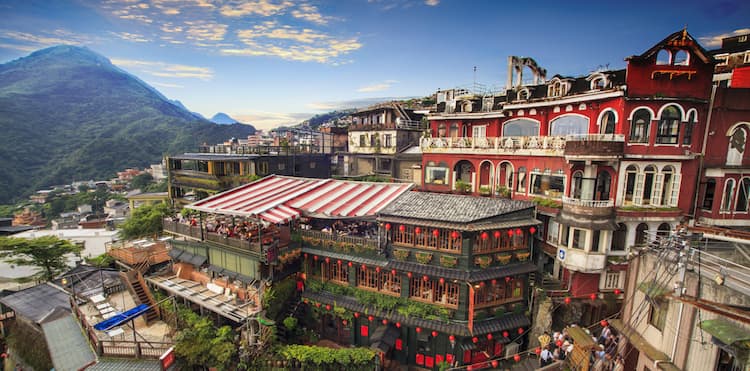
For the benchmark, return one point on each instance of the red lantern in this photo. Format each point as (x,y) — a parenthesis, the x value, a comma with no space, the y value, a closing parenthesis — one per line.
(454,235)
(604,323)
(519,232)
(398,324)
(507,278)
(494,282)
(315,257)
(452,338)
(338,262)
(559,343)
(475,340)
(617,292)
(317,305)
(497,234)
(328,307)
(538,350)
(481,284)
(517,358)
(489,336)
(385,321)
(363,267)
(469,368)
(520,331)
(377,269)
(350,264)
(356,314)
(344,322)
(505,334)
(435,232)
(425,278)
(387,226)
(484,235)
(418,329)
(592,296)
(393,272)
(417,230)
(494,363)
(401,228)
(328,260)
(408,274)
(434,334)
(510,233)
(567,300)
(442,280)
(370,318)
(305,255)
(532,230)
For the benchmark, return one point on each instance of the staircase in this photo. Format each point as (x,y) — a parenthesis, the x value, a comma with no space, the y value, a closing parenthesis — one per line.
(141,293)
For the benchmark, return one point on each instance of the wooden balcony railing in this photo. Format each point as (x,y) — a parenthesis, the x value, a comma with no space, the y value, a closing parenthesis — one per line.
(333,238)
(194,232)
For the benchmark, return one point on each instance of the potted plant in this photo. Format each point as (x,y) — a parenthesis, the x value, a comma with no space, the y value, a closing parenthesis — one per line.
(400,254)
(463,187)
(423,257)
(483,261)
(484,190)
(448,261)
(503,192)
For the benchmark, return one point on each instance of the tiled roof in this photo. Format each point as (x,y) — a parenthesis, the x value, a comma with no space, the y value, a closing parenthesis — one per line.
(456,274)
(451,208)
(485,225)
(345,257)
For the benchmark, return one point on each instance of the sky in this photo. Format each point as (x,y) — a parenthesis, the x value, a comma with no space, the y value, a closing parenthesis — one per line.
(278,62)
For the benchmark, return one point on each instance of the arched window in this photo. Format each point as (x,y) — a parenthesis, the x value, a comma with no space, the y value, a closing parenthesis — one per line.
(681,58)
(641,234)
(687,135)
(505,176)
(737,142)
(577,184)
(556,89)
(464,130)
(598,83)
(726,201)
(670,186)
(454,130)
(648,185)
(743,195)
(521,128)
(620,237)
(663,57)
(523,94)
(663,230)
(607,125)
(669,126)
(639,126)
(569,125)
(441,130)
(631,173)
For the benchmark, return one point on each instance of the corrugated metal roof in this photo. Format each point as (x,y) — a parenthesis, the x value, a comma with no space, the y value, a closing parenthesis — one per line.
(36,302)
(68,347)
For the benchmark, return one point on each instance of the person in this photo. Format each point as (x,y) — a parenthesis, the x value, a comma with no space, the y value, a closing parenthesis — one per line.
(606,331)
(545,357)
(544,340)
(619,365)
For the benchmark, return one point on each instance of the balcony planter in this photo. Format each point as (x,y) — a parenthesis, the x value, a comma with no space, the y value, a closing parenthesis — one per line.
(502,192)
(400,254)
(423,257)
(484,191)
(448,261)
(522,256)
(462,187)
(483,261)
(503,258)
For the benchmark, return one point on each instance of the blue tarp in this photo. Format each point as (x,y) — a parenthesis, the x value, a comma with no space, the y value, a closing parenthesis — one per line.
(121,318)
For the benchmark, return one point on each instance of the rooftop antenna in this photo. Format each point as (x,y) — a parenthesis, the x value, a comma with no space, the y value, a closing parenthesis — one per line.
(475,79)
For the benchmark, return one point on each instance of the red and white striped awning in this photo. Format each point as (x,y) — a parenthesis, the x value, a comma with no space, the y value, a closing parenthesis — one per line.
(279,199)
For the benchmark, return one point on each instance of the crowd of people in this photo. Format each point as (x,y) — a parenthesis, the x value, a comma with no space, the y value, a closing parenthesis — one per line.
(604,357)
(356,228)
(241,229)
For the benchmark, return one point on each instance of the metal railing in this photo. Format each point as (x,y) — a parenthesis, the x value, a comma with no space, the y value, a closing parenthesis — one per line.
(588,203)
(369,243)
(515,143)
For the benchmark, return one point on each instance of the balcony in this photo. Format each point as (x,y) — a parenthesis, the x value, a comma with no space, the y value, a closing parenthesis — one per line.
(361,246)
(589,214)
(196,233)
(530,146)
(594,146)
(585,262)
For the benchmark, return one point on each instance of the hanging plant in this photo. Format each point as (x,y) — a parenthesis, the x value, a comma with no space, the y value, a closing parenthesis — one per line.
(483,261)
(448,261)
(423,257)
(503,258)
(522,256)
(400,254)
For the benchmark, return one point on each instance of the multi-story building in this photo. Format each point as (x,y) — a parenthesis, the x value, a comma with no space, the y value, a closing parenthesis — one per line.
(384,140)
(604,156)
(733,62)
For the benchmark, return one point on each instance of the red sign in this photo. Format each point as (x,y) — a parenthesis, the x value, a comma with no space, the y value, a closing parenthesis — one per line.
(167,359)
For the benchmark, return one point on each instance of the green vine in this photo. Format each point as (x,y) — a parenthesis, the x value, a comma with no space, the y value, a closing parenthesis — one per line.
(483,261)
(448,261)
(400,254)
(423,257)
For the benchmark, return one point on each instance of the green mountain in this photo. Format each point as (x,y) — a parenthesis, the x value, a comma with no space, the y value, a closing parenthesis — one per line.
(67,113)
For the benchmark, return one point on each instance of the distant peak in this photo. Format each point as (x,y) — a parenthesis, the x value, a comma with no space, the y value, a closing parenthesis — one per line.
(223,119)
(68,53)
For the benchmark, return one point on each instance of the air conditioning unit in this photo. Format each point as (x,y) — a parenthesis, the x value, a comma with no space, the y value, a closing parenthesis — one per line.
(511,349)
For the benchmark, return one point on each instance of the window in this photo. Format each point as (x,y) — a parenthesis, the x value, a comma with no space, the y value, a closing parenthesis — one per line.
(663,231)
(595,240)
(742,39)
(722,59)
(607,125)
(737,143)
(743,195)
(362,140)
(454,130)
(603,185)
(426,238)
(639,126)
(552,231)
(433,291)
(641,234)
(746,59)
(497,292)
(611,280)
(670,187)
(631,173)
(728,195)
(263,168)
(577,184)
(657,317)
(374,140)
(335,271)
(663,57)
(681,58)
(388,140)
(281,166)
(708,194)
(548,185)
(687,136)
(436,174)
(648,196)
(669,126)
(441,130)
(521,128)
(375,279)
(598,83)
(556,88)
(579,238)
(523,94)
(521,180)
(619,237)
(569,125)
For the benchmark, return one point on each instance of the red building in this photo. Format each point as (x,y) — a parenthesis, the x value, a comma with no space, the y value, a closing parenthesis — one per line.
(607,157)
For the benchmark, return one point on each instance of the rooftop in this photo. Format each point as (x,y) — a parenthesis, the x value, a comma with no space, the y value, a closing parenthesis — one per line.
(451,208)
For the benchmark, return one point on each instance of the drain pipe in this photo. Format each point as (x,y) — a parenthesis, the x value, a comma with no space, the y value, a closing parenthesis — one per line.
(701,164)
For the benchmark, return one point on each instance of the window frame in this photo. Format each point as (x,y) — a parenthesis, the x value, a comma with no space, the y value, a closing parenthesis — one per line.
(645,126)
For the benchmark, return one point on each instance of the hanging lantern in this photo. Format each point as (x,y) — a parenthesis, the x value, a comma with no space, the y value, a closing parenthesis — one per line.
(604,323)
(481,284)
(328,306)
(454,235)
(305,255)
(452,338)
(505,334)
(617,292)
(469,368)
(475,340)
(532,230)
(387,226)
(328,260)
(385,321)
(317,305)
(344,322)
(592,296)
(507,278)
(435,232)
(484,235)
(418,329)
(338,262)
(494,363)
(377,269)
(538,350)
(408,274)
(356,314)
(417,230)
(517,358)
(494,282)
(520,331)
(510,233)
(398,324)
(442,280)
(425,278)
(393,272)
(401,228)
(315,257)
(370,318)
(496,234)
(567,300)
(363,267)
(350,264)
(519,232)
(434,334)
(559,343)
(489,336)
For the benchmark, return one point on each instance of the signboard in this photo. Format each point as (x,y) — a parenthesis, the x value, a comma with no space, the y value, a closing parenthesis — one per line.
(167,359)
(561,254)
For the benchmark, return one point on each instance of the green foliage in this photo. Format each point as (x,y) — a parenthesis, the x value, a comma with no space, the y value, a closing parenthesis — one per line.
(327,357)
(47,252)
(87,120)
(144,221)
(101,261)
(484,190)
(7,211)
(463,187)
(546,202)
(423,257)
(448,261)
(58,203)
(276,299)
(157,187)
(141,181)
(290,323)
(199,343)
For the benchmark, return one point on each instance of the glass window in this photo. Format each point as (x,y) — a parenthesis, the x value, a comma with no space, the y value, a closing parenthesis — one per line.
(521,128)
(436,175)
(619,237)
(681,58)
(362,140)
(648,186)
(663,57)
(641,234)
(687,136)
(441,130)
(657,317)
(579,238)
(728,194)
(708,194)
(454,130)
(521,180)
(548,185)
(631,173)
(607,126)
(743,195)
(639,126)
(577,184)
(569,125)
(669,126)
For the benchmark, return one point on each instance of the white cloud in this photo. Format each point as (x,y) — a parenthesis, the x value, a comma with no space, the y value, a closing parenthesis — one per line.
(309,13)
(134,37)
(163,69)
(166,85)
(385,85)
(208,31)
(263,8)
(713,41)
(432,2)
(268,120)
(27,42)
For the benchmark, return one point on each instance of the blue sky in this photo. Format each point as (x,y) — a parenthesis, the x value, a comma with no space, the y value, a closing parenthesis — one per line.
(273,62)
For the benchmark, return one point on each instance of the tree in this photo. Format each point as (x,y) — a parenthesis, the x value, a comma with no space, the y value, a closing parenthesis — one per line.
(199,343)
(141,181)
(144,221)
(47,252)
